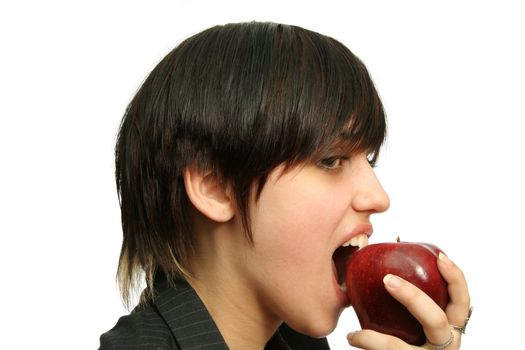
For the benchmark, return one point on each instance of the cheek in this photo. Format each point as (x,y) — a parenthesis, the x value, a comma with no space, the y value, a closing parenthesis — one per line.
(302,213)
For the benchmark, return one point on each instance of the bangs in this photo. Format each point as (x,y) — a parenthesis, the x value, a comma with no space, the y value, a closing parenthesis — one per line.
(238,100)
(364,130)
(336,101)
(364,121)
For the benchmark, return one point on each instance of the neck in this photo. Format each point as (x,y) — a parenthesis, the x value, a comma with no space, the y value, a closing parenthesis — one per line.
(219,281)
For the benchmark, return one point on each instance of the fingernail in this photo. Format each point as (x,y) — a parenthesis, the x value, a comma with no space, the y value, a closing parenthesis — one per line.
(444,258)
(392,281)
(350,336)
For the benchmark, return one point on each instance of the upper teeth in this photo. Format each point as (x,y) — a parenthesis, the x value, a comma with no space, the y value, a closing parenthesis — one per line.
(357,241)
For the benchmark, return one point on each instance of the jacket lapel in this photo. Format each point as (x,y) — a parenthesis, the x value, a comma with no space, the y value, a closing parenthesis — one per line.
(187,318)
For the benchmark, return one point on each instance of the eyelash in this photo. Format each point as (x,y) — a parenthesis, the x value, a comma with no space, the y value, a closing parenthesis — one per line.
(332,163)
(335,162)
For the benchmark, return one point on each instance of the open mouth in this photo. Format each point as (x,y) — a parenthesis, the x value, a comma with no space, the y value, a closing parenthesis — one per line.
(343,254)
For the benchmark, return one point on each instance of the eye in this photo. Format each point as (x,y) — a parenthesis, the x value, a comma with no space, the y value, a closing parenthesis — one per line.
(332,163)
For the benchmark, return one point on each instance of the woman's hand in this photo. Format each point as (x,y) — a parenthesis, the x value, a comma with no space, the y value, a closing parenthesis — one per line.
(436,322)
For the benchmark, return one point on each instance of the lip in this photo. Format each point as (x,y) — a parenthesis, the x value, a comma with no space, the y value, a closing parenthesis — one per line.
(364,228)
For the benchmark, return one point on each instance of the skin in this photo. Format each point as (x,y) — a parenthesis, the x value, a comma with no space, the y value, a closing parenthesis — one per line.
(300,218)
(436,322)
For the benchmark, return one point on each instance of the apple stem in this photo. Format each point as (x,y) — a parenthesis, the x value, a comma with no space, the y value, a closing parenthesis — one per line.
(398,239)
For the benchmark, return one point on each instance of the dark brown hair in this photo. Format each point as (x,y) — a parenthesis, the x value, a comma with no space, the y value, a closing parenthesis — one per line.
(238,99)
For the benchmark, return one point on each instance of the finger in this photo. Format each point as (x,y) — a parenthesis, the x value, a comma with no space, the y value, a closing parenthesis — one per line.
(372,340)
(454,343)
(421,306)
(458,307)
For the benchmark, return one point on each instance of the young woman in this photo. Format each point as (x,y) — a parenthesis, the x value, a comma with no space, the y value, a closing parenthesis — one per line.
(243,163)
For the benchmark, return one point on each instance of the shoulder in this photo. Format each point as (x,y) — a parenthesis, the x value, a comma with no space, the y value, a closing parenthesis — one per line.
(143,329)
(175,318)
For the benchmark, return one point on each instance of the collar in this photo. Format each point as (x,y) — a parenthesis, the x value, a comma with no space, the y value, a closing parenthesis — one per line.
(190,322)
(187,317)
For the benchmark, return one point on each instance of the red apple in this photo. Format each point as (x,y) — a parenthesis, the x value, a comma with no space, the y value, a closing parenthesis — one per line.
(375,308)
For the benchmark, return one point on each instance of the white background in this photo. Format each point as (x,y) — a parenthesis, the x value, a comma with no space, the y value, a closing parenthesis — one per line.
(451,75)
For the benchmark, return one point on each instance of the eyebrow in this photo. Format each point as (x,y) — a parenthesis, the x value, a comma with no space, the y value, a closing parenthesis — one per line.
(352,142)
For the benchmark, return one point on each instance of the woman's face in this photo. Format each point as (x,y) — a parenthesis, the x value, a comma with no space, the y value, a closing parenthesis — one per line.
(301,217)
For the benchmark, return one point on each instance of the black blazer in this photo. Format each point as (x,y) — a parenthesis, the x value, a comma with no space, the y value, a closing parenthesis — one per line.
(177,319)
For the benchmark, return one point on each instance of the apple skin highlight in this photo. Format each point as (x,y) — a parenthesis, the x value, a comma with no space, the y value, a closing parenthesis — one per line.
(375,308)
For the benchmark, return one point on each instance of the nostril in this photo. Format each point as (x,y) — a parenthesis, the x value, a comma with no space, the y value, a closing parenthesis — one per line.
(383,203)
(371,198)
(371,202)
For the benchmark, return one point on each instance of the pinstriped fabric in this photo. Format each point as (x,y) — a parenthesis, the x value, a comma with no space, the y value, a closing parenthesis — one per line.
(143,329)
(178,320)
(188,319)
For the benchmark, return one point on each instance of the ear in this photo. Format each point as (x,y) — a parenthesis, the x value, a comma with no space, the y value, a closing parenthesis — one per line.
(208,194)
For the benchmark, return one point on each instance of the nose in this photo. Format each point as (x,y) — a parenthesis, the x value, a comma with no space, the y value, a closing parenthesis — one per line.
(370,195)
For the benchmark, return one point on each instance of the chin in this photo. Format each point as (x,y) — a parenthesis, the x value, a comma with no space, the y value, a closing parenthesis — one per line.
(316,328)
